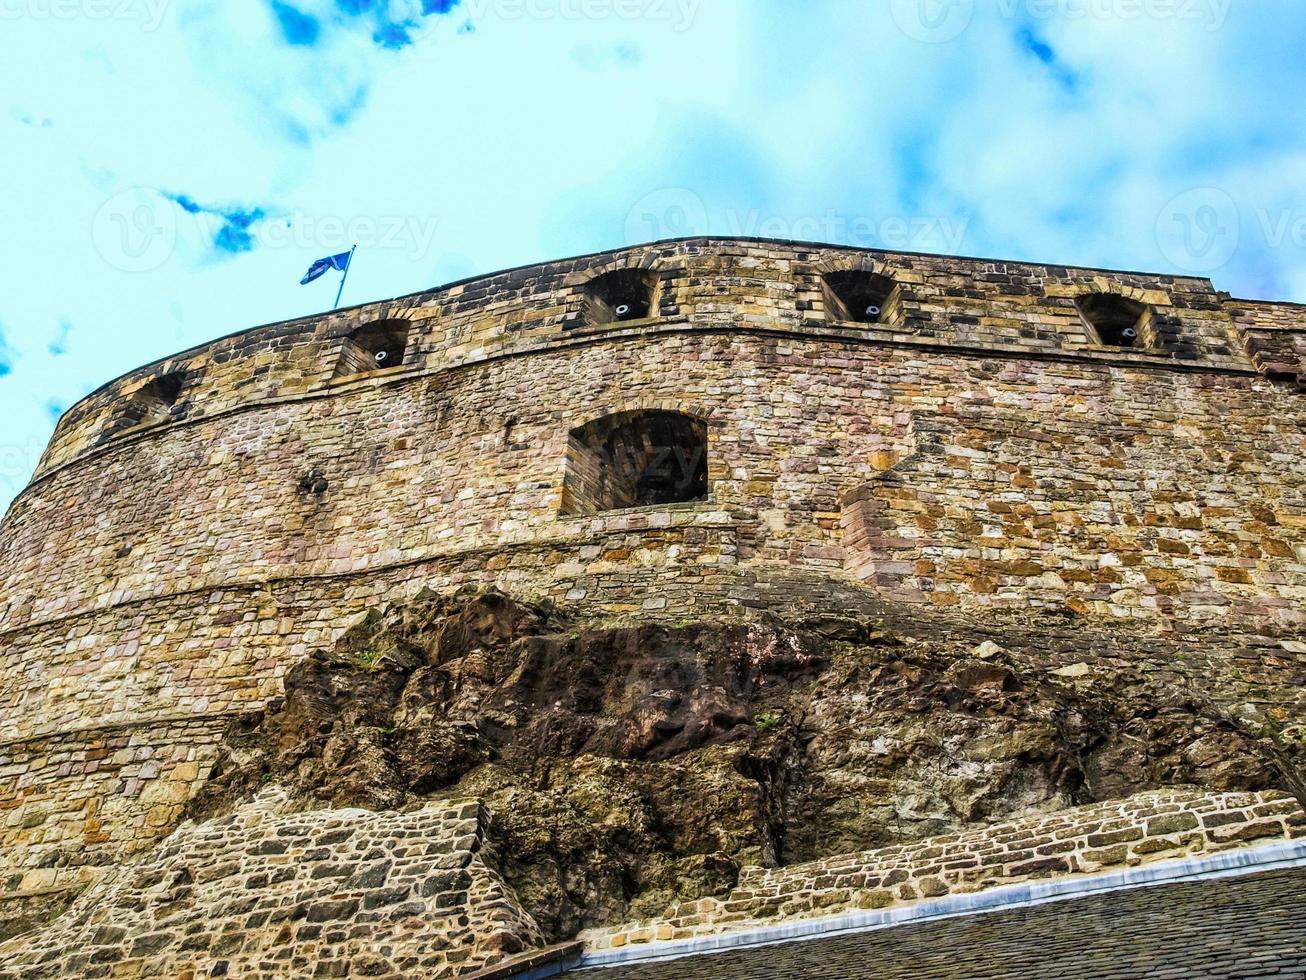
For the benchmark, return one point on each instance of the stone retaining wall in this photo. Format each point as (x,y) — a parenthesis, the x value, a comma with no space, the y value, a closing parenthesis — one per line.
(419,468)
(1144,828)
(262,893)
(72,804)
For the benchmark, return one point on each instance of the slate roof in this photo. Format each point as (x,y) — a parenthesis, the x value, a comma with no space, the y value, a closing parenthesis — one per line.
(1251,927)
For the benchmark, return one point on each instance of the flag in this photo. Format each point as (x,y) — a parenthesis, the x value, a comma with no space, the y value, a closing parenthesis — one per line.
(323,266)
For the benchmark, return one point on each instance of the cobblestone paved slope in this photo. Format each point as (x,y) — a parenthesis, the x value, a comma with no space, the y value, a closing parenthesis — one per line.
(1246,928)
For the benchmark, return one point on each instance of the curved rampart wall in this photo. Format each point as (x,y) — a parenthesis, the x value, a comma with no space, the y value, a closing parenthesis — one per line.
(1005,307)
(980,453)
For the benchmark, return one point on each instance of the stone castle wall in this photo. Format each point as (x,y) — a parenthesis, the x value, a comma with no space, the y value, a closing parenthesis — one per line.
(979,452)
(266,893)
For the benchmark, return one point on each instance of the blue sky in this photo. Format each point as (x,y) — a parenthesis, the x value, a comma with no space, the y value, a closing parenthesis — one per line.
(173,166)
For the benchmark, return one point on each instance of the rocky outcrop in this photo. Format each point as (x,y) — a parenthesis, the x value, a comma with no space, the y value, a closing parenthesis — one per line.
(632,765)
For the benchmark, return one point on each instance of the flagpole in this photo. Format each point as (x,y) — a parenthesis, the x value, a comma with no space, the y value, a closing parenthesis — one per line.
(349,264)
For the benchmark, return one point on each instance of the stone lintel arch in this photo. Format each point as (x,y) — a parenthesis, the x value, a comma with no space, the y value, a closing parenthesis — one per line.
(1105,284)
(342,323)
(648,259)
(851,262)
(648,404)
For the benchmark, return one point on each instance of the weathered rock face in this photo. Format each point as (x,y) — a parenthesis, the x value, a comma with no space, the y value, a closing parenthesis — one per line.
(629,766)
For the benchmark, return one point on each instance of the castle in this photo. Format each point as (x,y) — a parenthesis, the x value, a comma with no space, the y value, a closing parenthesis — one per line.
(698,429)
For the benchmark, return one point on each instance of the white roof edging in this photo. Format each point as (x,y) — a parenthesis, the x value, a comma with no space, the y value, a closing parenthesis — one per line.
(1221,864)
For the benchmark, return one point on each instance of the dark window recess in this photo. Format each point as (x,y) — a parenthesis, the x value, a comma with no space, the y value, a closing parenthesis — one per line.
(862,297)
(382,344)
(1116,321)
(153,402)
(635,459)
(625,294)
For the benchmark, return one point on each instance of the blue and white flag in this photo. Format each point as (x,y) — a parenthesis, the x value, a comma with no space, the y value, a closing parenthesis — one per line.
(323,266)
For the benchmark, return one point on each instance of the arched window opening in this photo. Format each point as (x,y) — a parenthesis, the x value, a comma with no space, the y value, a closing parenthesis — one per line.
(374,346)
(1116,321)
(154,401)
(862,297)
(635,459)
(614,297)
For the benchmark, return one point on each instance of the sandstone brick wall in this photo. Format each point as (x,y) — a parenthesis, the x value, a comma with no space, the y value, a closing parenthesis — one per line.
(1144,828)
(262,893)
(990,305)
(71,804)
(207,606)
(977,453)
(1082,512)
(1274,335)
(1190,473)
